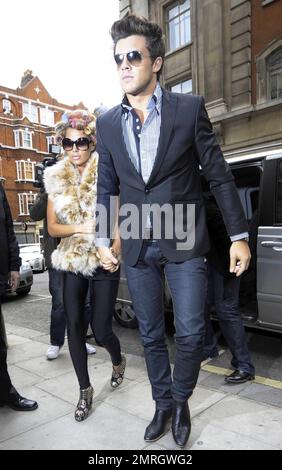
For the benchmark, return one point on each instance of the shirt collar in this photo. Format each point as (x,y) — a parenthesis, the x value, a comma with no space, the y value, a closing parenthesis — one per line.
(154,102)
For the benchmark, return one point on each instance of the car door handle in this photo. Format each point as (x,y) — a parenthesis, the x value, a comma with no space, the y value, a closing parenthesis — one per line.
(276,246)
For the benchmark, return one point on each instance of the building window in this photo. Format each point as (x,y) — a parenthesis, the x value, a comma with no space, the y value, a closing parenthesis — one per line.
(269,73)
(30,111)
(25,170)
(50,140)
(274,75)
(17,138)
(183,87)
(178,24)
(27,139)
(25,199)
(47,116)
(6,106)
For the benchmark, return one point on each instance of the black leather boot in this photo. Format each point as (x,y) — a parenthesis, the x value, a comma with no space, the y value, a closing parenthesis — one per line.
(181,422)
(157,427)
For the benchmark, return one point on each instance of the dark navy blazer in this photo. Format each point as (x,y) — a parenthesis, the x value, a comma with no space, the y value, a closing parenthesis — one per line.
(186,141)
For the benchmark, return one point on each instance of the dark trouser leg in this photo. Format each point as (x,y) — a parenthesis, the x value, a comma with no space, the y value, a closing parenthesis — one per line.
(145,286)
(210,343)
(226,302)
(5,381)
(58,319)
(188,285)
(104,293)
(88,310)
(75,291)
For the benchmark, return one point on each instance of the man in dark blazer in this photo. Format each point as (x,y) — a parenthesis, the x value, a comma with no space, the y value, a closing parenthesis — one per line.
(9,271)
(150,148)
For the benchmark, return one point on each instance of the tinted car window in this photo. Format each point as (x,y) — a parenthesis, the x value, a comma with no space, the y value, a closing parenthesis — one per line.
(278,211)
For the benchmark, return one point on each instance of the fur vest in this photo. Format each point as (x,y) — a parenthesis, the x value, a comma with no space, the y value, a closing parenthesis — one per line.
(74,198)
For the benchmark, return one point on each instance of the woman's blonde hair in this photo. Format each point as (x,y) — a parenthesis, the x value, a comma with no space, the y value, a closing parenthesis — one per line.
(79,119)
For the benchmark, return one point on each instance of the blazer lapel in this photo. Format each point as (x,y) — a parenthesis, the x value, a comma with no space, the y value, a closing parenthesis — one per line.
(169,105)
(118,137)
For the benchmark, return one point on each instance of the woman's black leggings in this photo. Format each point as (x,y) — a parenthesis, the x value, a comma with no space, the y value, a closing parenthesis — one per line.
(103,293)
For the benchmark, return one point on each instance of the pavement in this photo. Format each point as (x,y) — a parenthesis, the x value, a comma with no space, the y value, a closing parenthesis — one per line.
(223,416)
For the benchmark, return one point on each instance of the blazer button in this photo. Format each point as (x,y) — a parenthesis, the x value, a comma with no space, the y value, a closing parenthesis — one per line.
(147,190)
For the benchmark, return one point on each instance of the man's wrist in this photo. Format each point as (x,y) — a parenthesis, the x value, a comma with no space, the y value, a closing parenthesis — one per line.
(245,239)
(240,236)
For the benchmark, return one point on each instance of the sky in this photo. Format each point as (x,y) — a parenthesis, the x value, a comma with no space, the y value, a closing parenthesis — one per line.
(66,43)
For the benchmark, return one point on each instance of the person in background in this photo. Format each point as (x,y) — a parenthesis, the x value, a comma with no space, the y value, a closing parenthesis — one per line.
(71,185)
(223,293)
(38,211)
(10,263)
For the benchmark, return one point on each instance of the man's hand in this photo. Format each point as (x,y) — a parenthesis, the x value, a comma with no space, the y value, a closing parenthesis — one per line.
(108,260)
(240,256)
(14,280)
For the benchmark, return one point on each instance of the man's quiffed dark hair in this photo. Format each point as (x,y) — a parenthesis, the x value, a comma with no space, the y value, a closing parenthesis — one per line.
(134,25)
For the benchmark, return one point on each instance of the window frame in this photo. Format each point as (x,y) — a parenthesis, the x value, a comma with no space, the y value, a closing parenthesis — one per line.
(50,139)
(45,114)
(9,109)
(25,199)
(269,71)
(21,167)
(169,7)
(262,87)
(181,83)
(29,133)
(31,113)
(17,138)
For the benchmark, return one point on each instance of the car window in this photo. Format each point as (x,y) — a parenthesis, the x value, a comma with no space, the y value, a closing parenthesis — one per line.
(278,205)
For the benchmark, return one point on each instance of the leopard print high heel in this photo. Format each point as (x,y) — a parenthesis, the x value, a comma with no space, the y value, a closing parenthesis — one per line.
(118,373)
(84,404)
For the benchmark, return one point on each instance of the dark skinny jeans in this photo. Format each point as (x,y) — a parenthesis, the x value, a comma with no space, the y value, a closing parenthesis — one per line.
(103,292)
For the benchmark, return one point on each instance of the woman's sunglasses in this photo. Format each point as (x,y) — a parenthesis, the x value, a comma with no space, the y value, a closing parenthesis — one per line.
(81,144)
(133,57)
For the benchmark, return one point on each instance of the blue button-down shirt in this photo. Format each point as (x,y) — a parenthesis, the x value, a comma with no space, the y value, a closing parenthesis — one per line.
(142,140)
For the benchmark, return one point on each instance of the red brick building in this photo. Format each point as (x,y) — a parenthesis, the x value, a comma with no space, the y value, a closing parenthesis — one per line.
(27,118)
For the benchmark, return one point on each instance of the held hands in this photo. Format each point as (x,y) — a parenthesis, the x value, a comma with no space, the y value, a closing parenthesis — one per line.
(240,257)
(14,280)
(115,250)
(108,258)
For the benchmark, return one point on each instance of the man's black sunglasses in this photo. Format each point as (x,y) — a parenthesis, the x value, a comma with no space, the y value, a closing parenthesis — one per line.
(133,57)
(81,144)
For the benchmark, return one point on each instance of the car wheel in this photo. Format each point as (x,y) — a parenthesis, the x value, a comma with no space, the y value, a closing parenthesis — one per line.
(23,291)
(125,316)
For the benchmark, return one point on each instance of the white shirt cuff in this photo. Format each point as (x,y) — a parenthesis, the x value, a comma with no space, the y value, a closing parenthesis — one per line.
(102,242)
(240,236)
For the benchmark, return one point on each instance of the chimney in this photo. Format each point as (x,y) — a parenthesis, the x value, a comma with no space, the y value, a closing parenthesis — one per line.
(27,77)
